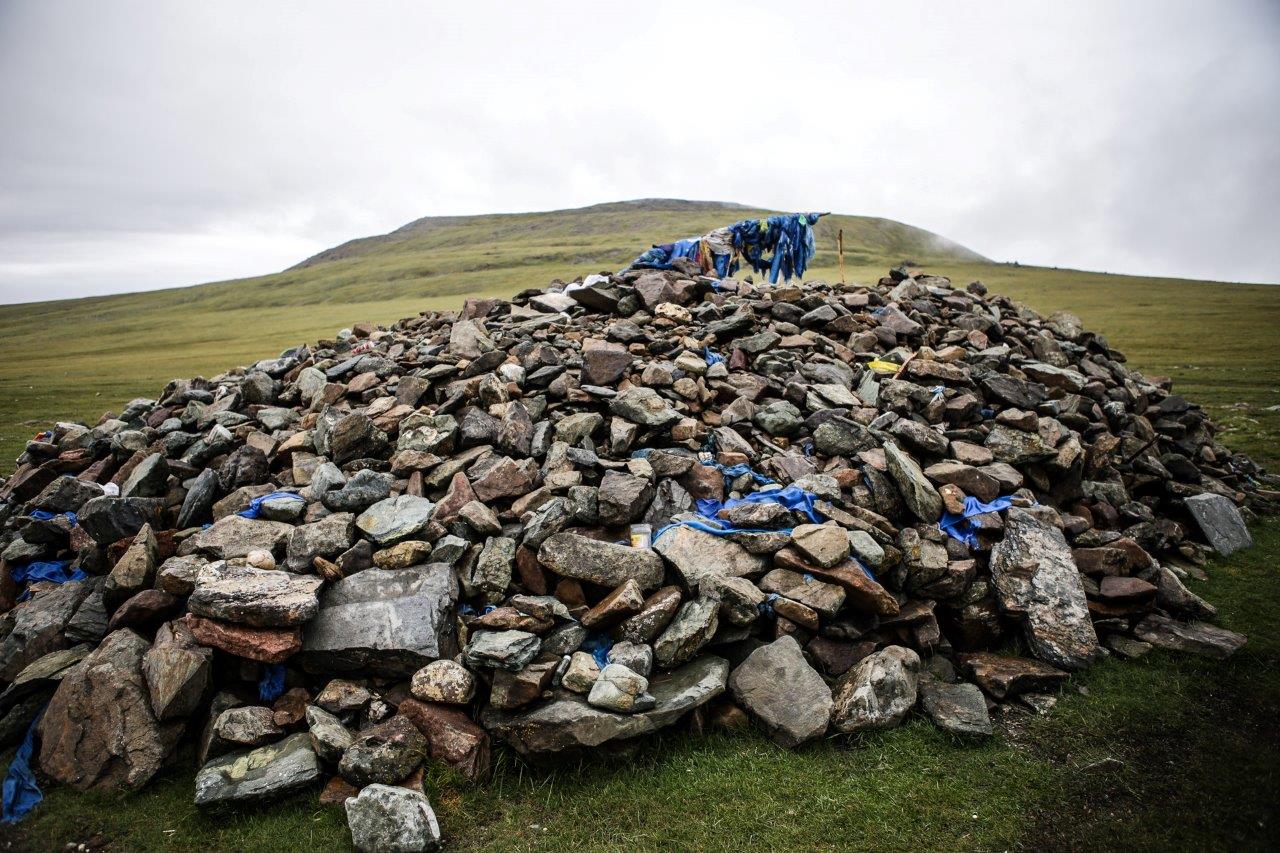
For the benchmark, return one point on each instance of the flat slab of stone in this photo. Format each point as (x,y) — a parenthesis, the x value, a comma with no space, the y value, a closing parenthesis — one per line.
(261,774)
(233,536)
(1036,579)
(1195,637)
(261,598)
(392,622)
(571,555)
(958,708)
(697,555)
(1221,522)
(568,722)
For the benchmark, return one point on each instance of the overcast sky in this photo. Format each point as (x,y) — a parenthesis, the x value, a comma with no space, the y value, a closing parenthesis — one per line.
(152,144)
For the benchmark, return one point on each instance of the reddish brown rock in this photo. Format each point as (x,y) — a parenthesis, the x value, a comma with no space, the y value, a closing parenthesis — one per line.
(624,601)
(265,645)
(1004,677)
(453,737)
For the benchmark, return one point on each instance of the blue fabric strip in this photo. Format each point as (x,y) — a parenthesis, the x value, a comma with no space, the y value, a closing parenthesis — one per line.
(958,526)
(255,505)
(21,791)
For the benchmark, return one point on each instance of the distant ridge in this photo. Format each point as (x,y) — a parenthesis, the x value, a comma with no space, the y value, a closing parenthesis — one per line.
(609,215)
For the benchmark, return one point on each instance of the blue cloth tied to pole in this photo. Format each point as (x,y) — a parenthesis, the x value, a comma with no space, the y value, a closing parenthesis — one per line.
(21,791)
(255,505)
(271,685)
(958,525)
(778,246)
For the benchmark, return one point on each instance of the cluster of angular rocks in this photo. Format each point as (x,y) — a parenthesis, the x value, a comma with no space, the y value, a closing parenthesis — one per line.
(452,563)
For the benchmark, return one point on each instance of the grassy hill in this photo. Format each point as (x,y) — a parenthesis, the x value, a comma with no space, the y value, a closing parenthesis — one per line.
(1164,753)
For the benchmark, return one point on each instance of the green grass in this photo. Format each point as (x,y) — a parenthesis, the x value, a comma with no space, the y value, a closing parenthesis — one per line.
(1195,764)
(1196,740)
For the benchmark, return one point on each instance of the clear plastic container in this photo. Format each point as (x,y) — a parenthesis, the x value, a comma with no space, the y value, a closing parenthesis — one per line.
(641,536)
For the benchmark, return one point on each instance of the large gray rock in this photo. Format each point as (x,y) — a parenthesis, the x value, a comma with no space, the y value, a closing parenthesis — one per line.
(697,555)
(248,725)
(259,775)
(643,406)
(917,492)
(573,556)
(99,730)
(233,536)
(568,722)
(385,753)
(618,688)
(393,519)
(391,622)
(177,671)
(1036,579)
(878,692)
(509,650)
(391,819)
(38,625)
(959,708)
(262,598)
(135,570)
(327,538)
(1220,521)
(692,628)
(779,688)
(329,737)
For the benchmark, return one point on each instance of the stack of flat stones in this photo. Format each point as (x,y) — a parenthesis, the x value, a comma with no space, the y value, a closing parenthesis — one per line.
(410,545)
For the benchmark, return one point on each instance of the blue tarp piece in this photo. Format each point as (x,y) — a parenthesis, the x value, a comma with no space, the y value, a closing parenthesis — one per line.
(710,357)
(45,515)
(960,527)
(255,505)
(598,645)
(272,683)
(792,497)
(465,609)
(54,572)
(766,606)
(21,792)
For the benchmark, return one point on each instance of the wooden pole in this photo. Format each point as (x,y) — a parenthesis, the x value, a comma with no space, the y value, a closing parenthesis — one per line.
(840,247)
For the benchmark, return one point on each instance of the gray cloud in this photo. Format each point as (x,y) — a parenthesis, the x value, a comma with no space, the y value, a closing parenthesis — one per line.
(158,144)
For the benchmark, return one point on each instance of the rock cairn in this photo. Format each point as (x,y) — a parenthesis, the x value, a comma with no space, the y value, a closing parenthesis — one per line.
(392,548)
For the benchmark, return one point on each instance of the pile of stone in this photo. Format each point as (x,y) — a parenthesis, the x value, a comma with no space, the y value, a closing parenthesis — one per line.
(390,549)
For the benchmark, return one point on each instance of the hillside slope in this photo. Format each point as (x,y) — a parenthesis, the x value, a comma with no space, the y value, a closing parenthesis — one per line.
(613,233)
